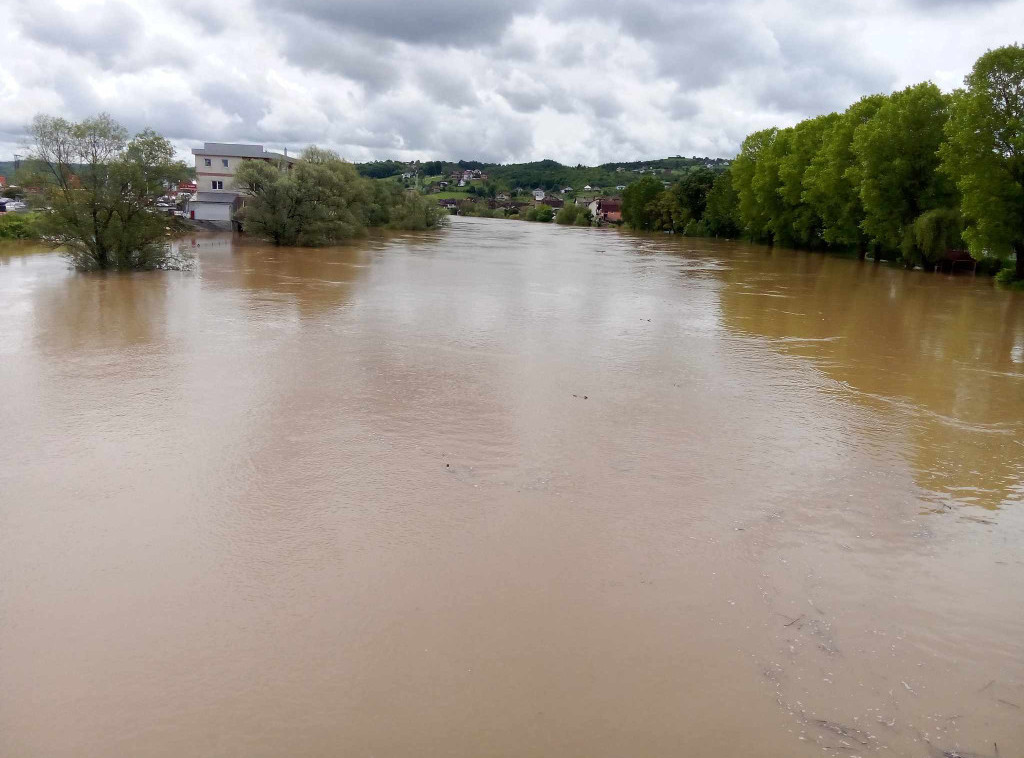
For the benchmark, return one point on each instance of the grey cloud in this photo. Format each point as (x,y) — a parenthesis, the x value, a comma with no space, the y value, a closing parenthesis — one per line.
(682,107)
(247,101)
(438,22)
(447,87)
(354,57)
(815,75)
(603,104)
(211,17)
(530,96)
(515,50)
(106,33)
(525,101)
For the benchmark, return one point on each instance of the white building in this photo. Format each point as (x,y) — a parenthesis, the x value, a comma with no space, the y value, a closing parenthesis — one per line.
(216,197)
(538,194)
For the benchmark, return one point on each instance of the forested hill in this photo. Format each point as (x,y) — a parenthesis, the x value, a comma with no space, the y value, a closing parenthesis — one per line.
(548,174)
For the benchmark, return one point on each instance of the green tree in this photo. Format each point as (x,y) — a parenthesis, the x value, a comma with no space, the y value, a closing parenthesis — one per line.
(574,215)
(931,235)
(897,150)
(639,203)
(542,213)
(832,180)
(804,225)
(323,200)
(19,226)
(755,218)
(101,187)
(692,192)
(721,215)
(667,212)
(984,153)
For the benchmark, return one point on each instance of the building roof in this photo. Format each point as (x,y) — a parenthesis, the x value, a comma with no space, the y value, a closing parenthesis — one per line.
(216,197)
(232,150)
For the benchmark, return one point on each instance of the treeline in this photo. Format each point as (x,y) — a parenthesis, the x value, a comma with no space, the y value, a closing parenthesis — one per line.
(870,178)
(547,174)
(677,162)
(703,203)
(323,200)
(908,176)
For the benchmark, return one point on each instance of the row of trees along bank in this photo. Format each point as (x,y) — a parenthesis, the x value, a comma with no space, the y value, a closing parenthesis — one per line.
(905,176)
(99,188)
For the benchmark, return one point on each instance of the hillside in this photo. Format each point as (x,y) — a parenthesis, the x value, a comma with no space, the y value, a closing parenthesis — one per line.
(548,174)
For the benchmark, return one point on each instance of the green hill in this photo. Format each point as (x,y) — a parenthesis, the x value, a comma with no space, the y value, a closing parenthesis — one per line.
(549,174)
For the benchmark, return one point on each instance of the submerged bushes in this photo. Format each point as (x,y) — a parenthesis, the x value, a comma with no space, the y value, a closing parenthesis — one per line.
(19,226)
(574,215)
(323,200)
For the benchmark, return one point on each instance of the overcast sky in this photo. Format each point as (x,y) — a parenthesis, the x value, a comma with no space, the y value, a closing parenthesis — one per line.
(586,82)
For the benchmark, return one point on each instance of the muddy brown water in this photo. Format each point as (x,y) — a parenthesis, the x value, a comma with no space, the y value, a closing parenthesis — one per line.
(510,490)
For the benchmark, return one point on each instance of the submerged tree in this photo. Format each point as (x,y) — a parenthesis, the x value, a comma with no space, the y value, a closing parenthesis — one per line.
(755,218)
(571,214)
(804,225)
(897,150)
(323,200)
(832,180)
(100,187)
(984,153)
(640,207)
(721,214)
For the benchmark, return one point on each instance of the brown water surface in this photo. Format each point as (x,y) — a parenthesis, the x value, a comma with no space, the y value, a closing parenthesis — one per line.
(510,490)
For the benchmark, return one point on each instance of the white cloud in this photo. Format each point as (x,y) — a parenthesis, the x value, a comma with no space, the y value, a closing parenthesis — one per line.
(588,83)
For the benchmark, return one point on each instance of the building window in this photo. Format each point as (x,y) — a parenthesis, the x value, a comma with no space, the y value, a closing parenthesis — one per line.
(207,161)
(225,162)
(215,184)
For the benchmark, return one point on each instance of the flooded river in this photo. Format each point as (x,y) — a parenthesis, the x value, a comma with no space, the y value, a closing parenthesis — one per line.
(510,489)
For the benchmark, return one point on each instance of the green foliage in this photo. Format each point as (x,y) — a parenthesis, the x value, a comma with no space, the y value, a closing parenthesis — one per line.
(984,154)
(832,180)
(640,204)
(691,192)
(931,235)
(542,213)
(802,224)
(991,266)
(897,150)
(19,226)
(323,201)
(101,187)
(721,214)
(380,169)
(695,228)
(574,215)
(755,218)
(867,177)
(479,209)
